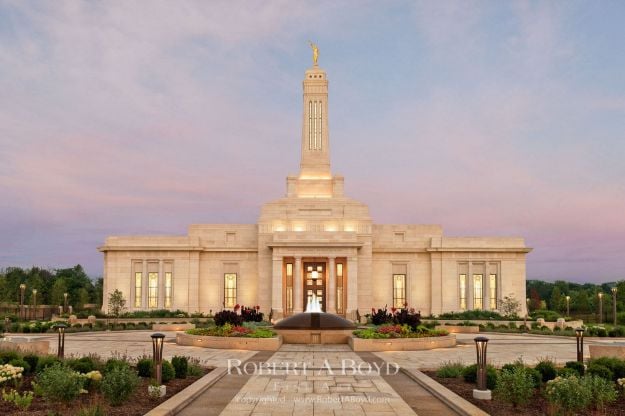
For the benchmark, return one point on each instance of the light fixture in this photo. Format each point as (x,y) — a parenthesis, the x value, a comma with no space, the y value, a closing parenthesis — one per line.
(315,275)
(61,348)
(614,290)
(579,337)
(157,352)
(482,392)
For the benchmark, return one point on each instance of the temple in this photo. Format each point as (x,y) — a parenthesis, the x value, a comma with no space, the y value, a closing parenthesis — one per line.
(315,240)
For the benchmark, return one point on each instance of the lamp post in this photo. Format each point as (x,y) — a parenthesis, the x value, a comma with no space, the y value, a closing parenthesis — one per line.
(35,302)
(614,289)
(22,312)
(7,322)
(65,302)
(527,302)
(579,337)
(600,307)
(61,330)
(157,351)
(568,305)
(482,392)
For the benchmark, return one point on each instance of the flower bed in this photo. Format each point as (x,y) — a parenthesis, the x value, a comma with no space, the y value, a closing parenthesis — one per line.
(400,338)
(398,331)
(43,385)
(520,390)
(228,330)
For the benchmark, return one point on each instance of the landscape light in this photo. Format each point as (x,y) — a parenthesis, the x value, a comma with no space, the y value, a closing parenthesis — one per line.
(157,351)
(482,392)
(61,348)
(579,336)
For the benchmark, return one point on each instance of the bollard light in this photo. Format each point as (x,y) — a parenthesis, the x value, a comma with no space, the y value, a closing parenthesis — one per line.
(614,304)
(579,336)
(61,330)
(65,302)
(482,392)
(568,305)
(600,307)
(157,351)
(22,311)
(35,303)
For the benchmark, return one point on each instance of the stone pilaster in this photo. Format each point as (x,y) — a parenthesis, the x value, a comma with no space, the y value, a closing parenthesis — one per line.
(352,287)
(331,301)
(298,286)
(276,287)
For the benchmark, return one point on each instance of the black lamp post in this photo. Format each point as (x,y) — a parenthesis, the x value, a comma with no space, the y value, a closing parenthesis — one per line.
(61,330)
(482,391)
(22,312)
(579,336)
(614,303)
(568,305)
(35,303)
(65,302)
(157,350)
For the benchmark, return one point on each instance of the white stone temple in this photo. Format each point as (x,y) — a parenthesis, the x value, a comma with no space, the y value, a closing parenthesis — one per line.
(315,241)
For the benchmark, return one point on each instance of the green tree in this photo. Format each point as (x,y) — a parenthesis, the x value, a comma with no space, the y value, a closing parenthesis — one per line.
(83,297)
(117,303)
(59,288)
(98,291)
(556,299)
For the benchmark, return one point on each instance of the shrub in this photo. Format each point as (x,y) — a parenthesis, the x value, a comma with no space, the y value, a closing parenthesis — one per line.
(472,314)
(8,356)
(82,365)
(21,401)
(515,386)
(547,370)
(95,410)
(32,361)
(19,362)
(567,372)
(470,375)
(547,315)
(567,394)
(575,365)
(407,317)
(113,363)
(119,384)
(168,373)
(381,316)
(144,367)
(617,331)
(602,391)
(450,369)
(602,332)
(227,317)
(195,369)
(46,361)
(59,383)
(599,370)
(615,365)
(181,366)
(620,318)
(251,314)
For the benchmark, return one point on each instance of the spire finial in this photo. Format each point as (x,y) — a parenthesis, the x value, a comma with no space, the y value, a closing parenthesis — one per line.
(315,50)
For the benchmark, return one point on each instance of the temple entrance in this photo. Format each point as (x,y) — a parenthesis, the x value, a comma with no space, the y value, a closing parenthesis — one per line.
(315,283)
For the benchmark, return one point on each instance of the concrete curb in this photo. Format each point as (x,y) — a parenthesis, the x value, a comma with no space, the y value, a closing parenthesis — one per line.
(451,399)
(176,403)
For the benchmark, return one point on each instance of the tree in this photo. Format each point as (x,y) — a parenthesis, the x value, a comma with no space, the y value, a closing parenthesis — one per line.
(510,306)
(556,299)
(534,299)
(98,291)
(83,297)
(117,304)
(59,288)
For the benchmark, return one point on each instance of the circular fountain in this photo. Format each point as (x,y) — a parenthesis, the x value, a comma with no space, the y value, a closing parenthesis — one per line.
(314,326)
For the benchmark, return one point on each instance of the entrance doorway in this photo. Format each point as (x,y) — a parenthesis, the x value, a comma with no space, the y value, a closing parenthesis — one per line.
(315,283)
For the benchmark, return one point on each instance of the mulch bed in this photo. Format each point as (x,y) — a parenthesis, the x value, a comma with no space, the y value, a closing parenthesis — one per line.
(538,406)
(137,405)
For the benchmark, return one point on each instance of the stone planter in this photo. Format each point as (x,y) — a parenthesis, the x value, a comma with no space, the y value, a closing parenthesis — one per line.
(402,344)
(157,391)
(172,327)
(459,329)
(236,343)
(315,336)
(616,350)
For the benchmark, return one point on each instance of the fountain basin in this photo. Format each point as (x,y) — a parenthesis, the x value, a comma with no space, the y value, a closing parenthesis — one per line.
(315,328)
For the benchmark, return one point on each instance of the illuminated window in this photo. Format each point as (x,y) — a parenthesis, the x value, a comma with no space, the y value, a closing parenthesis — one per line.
(168,289)
(399,290)
(138,281)
(462,283)
(493,291)
(230,290)
(477,291)
(339,288)
(289,287)
(152,290)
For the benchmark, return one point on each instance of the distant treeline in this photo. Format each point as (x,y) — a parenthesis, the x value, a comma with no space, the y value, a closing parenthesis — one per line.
(584,298)
(50,286)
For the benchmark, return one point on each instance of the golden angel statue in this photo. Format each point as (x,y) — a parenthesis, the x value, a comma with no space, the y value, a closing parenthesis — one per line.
(315,50)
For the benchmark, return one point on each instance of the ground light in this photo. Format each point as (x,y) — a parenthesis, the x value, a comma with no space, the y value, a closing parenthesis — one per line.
(482,392)
(61,330)
(579,336)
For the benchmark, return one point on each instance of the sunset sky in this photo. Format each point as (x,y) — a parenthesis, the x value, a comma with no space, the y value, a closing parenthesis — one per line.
(142,117)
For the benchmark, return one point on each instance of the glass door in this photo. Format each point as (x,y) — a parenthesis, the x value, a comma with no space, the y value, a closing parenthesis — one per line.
(315,283)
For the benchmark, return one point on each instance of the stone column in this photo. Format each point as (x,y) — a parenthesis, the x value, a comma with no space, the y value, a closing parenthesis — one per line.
(298,283)
(331,299)
(470,289)
(276,287)
(352,287)
(193,304)
(161,285)
(486,291)
(144,286)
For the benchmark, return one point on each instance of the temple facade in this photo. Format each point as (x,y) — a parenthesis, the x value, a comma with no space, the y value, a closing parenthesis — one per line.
(315,240)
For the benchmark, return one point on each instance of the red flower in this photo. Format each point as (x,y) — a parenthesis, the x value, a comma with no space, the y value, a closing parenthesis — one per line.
(393,309)
(257,307)
(372,310)
(405,304)
(237,307)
